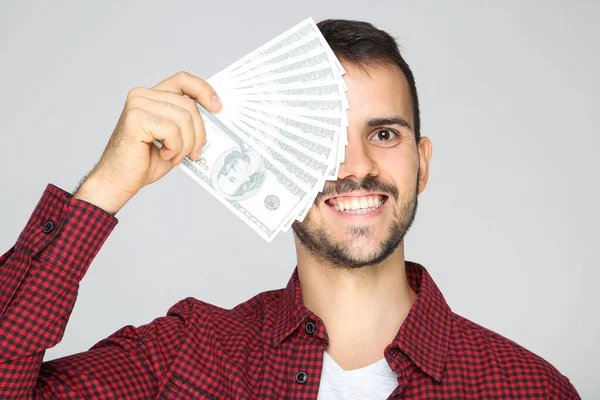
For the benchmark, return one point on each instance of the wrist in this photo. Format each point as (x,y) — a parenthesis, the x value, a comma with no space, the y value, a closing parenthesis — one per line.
(103,194)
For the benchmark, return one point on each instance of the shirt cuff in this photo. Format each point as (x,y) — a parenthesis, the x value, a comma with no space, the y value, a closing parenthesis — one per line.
(66,232)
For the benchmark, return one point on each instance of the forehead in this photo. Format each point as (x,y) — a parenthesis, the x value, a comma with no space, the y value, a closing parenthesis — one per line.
(377,91)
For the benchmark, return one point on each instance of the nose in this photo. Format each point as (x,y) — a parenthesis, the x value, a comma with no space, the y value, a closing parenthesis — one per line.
(358,163)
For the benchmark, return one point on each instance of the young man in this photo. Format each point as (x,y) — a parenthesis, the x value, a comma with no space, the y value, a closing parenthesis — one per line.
(355,321)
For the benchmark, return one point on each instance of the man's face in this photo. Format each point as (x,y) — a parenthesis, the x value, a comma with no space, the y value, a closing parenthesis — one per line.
(362,217)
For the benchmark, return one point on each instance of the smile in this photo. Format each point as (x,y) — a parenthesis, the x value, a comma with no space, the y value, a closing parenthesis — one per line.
(356,204)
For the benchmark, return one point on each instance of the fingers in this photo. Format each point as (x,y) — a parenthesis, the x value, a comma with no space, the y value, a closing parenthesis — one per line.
(173,113)
(155,127)
(194,87)
(173,100)
(182,102)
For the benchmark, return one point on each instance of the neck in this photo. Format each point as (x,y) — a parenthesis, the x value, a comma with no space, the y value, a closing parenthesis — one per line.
(362,308)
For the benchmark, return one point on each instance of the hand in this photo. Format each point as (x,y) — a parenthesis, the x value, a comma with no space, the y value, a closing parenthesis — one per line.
(130,160)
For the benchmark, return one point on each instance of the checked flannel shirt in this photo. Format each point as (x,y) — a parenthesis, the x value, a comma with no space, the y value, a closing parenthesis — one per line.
(269,347)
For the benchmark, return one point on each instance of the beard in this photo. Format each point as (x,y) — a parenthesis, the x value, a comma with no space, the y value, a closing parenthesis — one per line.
(339,254)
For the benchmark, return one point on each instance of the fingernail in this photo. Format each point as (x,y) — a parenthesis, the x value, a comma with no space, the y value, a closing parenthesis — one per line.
(197,153)
(215,101)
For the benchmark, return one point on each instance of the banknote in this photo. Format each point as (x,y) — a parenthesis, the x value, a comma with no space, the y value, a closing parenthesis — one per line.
(313,58)
(313,131)
(294,89)
(288,38)
(299,158)
(318,74)
(281,57)
(281,132)
(322,92)
(289,125)
(244,181)
(300,174)
(300,33)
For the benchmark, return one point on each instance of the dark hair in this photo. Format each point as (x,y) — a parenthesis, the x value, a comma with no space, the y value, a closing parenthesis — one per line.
(361,43)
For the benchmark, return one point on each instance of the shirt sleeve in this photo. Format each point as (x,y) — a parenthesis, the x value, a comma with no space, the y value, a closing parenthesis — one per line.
(39,281)
(562,389)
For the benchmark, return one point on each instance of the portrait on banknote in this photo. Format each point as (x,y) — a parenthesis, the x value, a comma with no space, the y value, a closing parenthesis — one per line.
(239,173)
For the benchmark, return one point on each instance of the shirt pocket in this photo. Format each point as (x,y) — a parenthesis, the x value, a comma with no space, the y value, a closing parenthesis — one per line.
(179,388)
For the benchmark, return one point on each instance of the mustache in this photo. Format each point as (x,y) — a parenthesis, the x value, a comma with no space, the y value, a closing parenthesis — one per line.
(368,184)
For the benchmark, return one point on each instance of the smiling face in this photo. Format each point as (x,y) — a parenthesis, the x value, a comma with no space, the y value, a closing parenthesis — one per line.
(361,218)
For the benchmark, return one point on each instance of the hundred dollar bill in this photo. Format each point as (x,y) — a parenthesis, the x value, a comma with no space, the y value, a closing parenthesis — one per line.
(309,60)
(291,161)
(296,33)
(318,74)
(233,92)
(300,33)
(321,130)
(245,182)
(301,106)
(317,126)
(317,92)
(333,137)
(269,149)
(308,139)
(317,158)
(307,45)
(295,89)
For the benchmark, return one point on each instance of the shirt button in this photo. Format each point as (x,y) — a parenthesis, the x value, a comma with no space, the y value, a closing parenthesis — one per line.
(301,377)
(310,327)
(49,227)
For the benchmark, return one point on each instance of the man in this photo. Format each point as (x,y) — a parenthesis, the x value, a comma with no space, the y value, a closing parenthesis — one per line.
(355,321)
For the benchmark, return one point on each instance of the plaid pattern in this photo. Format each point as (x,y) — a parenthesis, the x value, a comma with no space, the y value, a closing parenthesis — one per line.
(269,347)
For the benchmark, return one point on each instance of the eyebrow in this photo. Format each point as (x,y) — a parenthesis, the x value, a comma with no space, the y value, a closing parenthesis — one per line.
(395,120)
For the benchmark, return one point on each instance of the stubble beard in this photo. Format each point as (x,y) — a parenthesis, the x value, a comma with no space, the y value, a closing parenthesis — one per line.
(338,254)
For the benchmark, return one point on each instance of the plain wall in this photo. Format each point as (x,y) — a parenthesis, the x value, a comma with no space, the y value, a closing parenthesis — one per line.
(508,224)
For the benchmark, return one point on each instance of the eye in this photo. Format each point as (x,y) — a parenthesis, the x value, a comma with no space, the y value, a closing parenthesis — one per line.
(385,135)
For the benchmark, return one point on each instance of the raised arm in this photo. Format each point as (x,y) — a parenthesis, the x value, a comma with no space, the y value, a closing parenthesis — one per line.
(40,274)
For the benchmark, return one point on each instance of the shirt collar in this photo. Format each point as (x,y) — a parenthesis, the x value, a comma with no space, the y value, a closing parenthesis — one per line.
(423,336)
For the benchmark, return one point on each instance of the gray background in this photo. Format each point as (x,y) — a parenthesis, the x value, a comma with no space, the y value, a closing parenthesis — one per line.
(507,225)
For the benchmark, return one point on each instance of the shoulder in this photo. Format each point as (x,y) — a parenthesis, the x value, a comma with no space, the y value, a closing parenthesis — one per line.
(493,355)
(245,318)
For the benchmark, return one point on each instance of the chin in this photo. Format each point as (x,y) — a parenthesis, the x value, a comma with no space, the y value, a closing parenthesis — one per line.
(348,247)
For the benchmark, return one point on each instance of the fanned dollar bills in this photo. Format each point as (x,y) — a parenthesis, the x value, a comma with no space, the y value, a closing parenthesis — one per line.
(281,132)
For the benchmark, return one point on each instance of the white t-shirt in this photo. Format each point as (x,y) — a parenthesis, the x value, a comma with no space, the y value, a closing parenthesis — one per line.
(373,382)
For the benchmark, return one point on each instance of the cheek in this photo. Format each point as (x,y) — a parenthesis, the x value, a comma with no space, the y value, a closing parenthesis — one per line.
(399,167)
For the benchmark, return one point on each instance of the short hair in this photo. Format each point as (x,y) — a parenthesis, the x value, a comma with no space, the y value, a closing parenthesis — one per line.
(361,43)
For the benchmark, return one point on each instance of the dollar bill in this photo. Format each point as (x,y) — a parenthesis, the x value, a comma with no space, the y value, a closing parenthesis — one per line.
(316,74)
(260,194)
(296,33)
(311,59)
(312,140)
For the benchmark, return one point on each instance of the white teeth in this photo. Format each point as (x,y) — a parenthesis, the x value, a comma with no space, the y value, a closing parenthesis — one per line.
(357,205)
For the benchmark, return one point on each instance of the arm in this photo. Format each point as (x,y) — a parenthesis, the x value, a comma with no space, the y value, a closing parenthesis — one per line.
(40,275)
(39,279)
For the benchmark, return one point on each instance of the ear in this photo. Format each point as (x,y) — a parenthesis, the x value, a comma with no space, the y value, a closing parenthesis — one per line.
(424,149)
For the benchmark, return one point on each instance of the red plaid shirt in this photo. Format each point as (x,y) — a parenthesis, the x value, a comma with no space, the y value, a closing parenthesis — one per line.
(269,347)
